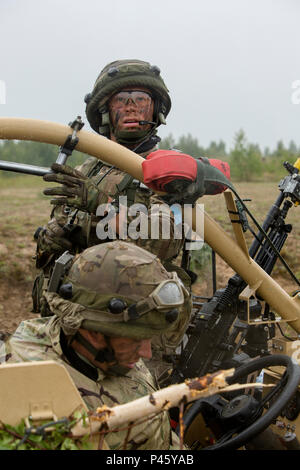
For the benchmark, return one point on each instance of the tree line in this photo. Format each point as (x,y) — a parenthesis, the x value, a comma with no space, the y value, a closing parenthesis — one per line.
(248,162)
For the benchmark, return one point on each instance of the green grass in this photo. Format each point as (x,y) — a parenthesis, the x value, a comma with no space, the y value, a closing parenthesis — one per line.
(21,181)
(23,208)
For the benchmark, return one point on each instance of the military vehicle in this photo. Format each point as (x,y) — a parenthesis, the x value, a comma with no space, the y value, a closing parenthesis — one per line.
(234,329)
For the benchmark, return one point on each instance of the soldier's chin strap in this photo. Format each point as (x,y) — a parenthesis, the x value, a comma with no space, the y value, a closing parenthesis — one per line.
(104,355)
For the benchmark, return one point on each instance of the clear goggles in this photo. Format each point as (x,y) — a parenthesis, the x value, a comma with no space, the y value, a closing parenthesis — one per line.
(169,294)
(139,98)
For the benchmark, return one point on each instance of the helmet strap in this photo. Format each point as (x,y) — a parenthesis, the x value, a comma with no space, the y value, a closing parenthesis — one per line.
(147,144)
(132,137)
(103,355)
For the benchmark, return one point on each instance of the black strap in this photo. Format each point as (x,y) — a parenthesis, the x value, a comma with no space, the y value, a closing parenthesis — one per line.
(75,361)
(95,169)
(102,355)
(124,183)
(148,144)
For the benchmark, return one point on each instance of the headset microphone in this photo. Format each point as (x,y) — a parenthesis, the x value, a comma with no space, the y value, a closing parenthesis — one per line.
(143,123)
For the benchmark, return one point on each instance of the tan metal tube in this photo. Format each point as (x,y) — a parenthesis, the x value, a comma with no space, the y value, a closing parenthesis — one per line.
(89,142)
(100,147)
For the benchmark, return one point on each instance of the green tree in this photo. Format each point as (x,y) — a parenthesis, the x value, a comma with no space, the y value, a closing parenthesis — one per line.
(189,144)
(216,150)
(280,152)
(167,142)
(245,160)
(33,153)
(293,148)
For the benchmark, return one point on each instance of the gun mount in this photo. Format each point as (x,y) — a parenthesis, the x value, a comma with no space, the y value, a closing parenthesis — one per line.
(234,325)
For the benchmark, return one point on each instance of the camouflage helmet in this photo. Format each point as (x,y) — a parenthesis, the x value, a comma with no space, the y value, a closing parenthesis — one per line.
(118,75)
(109,289)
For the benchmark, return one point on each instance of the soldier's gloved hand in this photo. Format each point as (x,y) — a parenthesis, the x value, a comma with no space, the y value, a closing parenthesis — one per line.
(77,190)
(52,238)
(183,177)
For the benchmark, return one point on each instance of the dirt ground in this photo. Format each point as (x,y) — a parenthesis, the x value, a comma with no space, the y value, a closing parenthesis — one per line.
(23,208)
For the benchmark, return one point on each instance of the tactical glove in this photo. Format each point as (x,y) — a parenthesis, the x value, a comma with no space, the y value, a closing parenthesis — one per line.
(183,177)
(77,190)
(52,238)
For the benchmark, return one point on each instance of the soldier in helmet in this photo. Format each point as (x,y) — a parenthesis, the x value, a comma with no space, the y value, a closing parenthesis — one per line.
(113,299)
(128,103)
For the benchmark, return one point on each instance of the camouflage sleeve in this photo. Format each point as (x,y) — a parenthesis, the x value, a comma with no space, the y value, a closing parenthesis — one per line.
(165,237)
(35,340)
(52,240)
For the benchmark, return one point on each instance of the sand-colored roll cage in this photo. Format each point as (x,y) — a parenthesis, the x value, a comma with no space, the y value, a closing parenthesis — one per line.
(232,251)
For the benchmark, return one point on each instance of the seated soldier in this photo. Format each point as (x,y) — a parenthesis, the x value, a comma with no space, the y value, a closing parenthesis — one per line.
(112,301)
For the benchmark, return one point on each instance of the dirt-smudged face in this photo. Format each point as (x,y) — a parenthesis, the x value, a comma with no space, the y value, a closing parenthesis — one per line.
(127,351)
(130,106)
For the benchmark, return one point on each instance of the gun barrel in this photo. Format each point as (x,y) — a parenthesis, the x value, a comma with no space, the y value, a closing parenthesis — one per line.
(24,168)
(271,216)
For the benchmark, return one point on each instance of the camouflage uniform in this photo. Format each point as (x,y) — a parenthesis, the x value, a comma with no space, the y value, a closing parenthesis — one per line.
(120,272)
(165,249)
(112,186)
(113,183)
(38,340)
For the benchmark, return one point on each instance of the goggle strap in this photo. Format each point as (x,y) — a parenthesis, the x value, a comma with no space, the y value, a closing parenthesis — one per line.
(140,308)
(146,305)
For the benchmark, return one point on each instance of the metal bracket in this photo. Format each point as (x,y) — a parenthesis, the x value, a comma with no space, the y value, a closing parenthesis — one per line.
(246,295)
(40,412)
(65,151)
(71,141)
(60,268)
(237,226)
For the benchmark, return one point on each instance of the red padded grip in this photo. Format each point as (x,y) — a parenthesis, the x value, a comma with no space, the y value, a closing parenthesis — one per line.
(222,166)
(163,166)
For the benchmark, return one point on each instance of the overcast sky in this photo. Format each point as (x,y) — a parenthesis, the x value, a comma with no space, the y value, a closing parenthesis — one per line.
(228,64)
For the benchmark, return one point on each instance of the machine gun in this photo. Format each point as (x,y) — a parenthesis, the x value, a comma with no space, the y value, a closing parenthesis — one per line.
(253,417)
(229,329)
